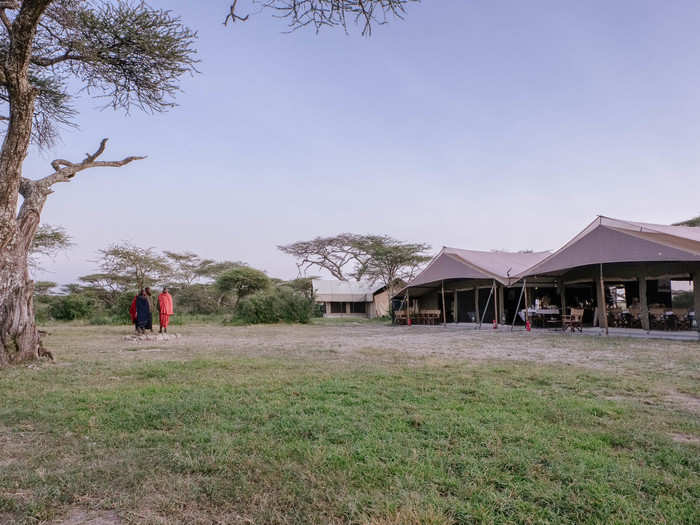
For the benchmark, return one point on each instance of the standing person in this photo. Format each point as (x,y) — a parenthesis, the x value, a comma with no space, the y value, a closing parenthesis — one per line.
(132,312)
(143,312)
(165,309)
(149,297)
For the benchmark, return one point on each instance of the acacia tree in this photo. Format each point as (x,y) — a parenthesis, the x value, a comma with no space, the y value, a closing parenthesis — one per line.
(241,281)
(125,51)
(187,267)
(122,50)
(390,262)
(140,267)
(48,241)
(338,255)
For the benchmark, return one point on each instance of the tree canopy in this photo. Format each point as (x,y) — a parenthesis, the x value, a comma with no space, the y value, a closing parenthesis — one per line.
(376,258)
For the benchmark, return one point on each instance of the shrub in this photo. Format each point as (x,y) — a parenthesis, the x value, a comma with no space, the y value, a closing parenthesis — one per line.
(120,310)
(197,299)
(273,306)
(70,307)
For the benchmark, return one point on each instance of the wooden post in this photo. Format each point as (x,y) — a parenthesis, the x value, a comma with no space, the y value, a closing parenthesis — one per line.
(444,310)
(408,312)
(602,306)
(562,292)
(517,307)
(455,314)
(501,305)
(527,305)
(495,303)
(643,302)
(476,303)
(696,291)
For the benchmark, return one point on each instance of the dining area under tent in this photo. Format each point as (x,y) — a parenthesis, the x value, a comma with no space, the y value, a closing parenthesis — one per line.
(620,274)
(470,286)
(614,275)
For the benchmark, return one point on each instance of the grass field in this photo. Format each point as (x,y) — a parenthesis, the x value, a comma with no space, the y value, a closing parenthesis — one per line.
(351,423)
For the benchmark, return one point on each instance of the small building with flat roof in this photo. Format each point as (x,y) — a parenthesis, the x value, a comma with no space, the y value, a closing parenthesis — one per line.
(350,298)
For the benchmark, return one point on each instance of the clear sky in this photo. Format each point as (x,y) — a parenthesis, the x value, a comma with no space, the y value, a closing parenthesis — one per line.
(476,124)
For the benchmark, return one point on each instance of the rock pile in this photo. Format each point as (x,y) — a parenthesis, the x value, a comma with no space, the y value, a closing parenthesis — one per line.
(142,338)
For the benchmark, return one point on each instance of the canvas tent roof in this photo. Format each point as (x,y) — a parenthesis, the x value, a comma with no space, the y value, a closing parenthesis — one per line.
(608,240)
(327,290)
(453,263)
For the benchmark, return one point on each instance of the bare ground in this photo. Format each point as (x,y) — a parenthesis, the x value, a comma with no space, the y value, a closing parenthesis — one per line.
(674,365)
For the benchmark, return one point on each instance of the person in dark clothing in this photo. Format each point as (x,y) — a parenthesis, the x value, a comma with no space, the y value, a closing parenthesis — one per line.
(143,313)
(149,326)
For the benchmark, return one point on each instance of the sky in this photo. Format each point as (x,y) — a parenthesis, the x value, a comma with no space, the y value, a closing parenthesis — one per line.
(474,124)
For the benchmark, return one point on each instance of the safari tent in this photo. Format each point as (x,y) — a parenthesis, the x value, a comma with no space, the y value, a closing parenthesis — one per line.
(474,286)
(639,259)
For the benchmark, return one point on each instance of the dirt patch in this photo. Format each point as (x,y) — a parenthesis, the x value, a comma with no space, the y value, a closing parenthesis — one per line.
(685,438)
(89,517)
(684,401)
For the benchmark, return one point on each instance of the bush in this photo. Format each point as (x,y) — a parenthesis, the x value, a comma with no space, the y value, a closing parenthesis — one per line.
(70,307)
(120,310)
(197,299)
(273,306)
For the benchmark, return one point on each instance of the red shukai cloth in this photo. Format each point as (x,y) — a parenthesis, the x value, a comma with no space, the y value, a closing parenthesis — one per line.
(165,308)
(132,310)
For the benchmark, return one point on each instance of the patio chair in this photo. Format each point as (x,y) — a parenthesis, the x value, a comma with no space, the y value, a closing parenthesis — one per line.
(573,321)
(657,318)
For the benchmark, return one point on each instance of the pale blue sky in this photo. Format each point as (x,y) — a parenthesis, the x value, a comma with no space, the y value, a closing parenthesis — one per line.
(475,124)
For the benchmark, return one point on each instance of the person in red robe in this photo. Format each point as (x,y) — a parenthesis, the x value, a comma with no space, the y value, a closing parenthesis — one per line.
(132,312)
(165,308)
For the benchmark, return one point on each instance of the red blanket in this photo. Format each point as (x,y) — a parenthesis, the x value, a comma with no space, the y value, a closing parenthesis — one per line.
(132,310)
(165,303)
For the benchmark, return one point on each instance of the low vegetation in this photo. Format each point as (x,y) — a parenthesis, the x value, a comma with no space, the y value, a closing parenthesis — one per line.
(352,424)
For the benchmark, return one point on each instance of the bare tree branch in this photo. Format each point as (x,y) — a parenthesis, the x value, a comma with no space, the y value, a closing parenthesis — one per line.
(232,16)
(331,13)
(65,170)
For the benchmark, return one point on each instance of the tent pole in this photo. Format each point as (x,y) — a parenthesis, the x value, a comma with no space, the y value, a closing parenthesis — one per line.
(517,308)
(476,303)
(602,304)
(455,316)
(501,305)
(408,318)
(486,308)
(444,312)
(696,293)
(643,301)
(495,303)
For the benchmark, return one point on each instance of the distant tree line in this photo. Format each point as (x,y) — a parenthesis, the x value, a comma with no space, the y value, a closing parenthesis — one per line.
(201,287)
(205,287)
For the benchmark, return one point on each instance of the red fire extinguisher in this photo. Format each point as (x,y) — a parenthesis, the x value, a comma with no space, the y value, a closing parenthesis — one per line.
(527,325)
(408,321)
(495,324)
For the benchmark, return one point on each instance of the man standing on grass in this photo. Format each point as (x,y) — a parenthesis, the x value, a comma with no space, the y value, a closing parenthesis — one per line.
(132,312)
(149,326)
(143,312)
(165,307)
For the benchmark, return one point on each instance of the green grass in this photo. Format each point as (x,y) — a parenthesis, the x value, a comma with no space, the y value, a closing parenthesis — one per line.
(299,441)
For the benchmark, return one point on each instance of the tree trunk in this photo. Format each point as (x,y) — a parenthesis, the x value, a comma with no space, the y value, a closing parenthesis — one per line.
(19,337)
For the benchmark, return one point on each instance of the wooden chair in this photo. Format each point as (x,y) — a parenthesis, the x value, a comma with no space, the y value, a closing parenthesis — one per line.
(657,318)
(573,321)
